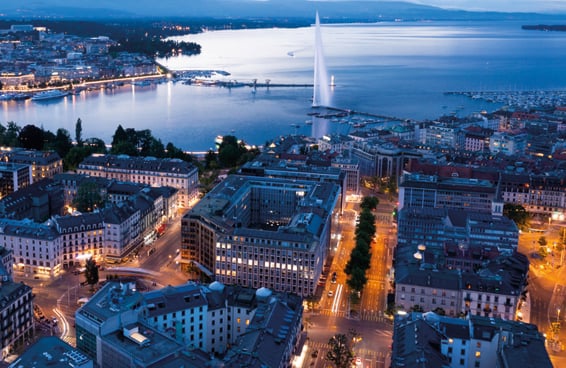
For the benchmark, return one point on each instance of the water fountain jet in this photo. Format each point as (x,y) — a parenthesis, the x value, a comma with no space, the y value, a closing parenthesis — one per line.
(321,85)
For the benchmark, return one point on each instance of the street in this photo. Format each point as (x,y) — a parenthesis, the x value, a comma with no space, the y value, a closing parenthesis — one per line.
(59,297)
(336,314)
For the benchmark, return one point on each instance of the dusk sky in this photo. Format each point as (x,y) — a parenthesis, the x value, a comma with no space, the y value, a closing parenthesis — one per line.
(547,6)
(499,5)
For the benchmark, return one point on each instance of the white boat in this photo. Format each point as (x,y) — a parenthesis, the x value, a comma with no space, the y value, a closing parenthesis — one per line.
(48,95)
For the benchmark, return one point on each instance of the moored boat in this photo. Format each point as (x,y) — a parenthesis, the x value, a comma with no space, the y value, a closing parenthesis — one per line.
(48,95)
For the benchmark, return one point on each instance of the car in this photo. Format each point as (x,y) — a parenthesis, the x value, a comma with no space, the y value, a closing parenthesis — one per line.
(330,293)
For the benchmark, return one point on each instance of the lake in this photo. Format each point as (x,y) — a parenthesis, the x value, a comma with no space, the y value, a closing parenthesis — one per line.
(394,69)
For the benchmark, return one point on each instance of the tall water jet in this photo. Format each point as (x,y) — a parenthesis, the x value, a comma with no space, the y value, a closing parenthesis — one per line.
(321,86)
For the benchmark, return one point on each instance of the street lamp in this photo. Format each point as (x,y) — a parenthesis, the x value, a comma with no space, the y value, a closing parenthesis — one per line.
(558,315)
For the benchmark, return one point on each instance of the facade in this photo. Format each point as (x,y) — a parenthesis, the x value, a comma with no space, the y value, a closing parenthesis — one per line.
(492,291)
(110,234)
(14,177)
(543,194)
(122,231)
(36,247)
(261,232)
(44,164)
(203,323)
(175,173)
(352,170)
(383,159)
(430,340)
(434,227)
(16,309)
(82,237)
(507,143)
(433,191)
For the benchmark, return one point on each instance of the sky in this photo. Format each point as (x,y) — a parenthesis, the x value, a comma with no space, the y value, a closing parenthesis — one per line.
(546,6)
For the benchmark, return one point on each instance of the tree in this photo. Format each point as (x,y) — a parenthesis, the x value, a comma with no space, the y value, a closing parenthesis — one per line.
(340,353)
(517,213)
(62,143)
(228,152)
(12,134)
(124,148)
(210,160)
(542,241)
(31,137)
(369,202)
(357,279)
(88,197)
(95,145)
(119,136)
(91,272)
(79,132)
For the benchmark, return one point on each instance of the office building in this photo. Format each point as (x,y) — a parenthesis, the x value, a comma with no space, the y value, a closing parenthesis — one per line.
(261,232)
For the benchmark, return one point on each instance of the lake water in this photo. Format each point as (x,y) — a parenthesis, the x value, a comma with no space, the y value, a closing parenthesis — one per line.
(394,69)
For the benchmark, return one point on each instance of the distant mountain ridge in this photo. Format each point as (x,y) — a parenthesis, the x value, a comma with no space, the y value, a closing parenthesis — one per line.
(335,11)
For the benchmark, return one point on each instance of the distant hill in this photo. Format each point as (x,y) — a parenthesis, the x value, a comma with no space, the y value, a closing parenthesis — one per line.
(331,11)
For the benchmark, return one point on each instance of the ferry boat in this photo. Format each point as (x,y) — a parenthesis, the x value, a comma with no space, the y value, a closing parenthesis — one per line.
(48,95)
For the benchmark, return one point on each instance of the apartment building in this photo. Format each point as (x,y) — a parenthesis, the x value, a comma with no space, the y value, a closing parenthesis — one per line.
(494,290)
(191,321)
(82,237)
(36,247)
(44,164)
(16,308)
(430,340)
(154,172)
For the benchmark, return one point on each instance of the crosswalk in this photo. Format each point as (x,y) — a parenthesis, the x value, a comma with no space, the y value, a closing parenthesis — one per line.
(364,316)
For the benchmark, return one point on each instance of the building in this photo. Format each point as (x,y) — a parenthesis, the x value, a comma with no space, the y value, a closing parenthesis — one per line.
(38,202)
(508,143)
(44,164)
(430,340)
(352,170)
(542,194)
(262,232)
(435,227)
(82,237)
(51,351)
(36,247)
(14,177)
(16,309)
(433,191)
(203,323)
(288,166)
(154,172)
(381,159)
(494,290)
(122,231)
